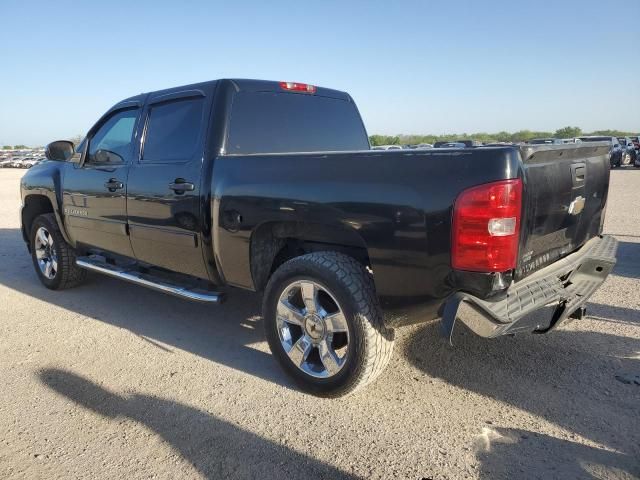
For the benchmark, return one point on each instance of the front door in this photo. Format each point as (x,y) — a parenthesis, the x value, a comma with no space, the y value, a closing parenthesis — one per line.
(94,192)
(163,196)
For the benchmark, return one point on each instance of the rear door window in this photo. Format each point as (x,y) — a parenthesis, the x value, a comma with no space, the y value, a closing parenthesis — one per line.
(173,130)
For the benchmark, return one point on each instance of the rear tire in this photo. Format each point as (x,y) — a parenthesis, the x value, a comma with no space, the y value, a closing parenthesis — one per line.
(325,356)
(53,258)
(617,162)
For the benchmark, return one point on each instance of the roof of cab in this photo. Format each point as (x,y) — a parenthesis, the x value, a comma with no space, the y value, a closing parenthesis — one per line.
(248,85)
(240,85)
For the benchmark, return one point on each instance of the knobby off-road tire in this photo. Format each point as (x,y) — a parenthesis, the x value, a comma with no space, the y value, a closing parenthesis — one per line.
(344,313)
(53,258)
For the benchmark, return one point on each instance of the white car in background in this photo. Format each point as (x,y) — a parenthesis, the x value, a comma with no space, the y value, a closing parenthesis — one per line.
(387,147)
(29,162)
(452,145)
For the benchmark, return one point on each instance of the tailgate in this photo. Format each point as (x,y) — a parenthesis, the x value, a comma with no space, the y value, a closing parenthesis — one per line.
(565,193)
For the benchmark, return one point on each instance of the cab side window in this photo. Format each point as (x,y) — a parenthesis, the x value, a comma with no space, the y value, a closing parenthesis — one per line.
(173,130)
(111,143)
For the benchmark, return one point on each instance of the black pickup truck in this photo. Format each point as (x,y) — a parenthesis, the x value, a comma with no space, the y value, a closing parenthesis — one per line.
(273,187)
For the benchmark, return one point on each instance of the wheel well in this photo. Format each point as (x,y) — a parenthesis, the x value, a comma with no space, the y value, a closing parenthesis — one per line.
(272,244)
(34,205)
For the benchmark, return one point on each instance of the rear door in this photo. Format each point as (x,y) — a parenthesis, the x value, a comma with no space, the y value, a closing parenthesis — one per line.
(565,197)
(163,193)
(94,192)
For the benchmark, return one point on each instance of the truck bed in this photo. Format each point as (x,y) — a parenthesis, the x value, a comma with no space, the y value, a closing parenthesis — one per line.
(398,205)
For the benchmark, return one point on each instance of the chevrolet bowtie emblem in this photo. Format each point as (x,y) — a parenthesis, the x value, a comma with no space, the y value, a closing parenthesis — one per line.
(576,206)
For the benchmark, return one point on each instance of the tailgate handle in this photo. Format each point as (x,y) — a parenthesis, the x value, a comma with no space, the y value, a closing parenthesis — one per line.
(578,172)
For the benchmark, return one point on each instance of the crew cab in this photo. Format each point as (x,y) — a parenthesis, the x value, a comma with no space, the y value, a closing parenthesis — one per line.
(272,187)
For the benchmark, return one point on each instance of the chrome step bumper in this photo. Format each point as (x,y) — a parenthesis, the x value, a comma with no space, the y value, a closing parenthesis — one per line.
(540,302)
(139,278)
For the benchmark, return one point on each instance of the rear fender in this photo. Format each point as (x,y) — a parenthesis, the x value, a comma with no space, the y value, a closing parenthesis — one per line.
(275,242)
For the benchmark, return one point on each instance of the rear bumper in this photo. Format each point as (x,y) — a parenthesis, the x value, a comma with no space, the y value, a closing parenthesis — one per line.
(540,302)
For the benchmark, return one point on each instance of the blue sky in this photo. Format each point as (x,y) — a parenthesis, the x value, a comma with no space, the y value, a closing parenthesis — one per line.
(412,67)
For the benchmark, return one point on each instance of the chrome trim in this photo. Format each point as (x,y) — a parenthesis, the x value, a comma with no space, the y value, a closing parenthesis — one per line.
(306,322)
(46,255)
(136,277)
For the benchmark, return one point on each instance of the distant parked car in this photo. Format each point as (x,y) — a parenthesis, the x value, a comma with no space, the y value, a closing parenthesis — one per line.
(6,163)
(545,141)
(629,152)
(423,146)
(616,152)
(29,162)
(450,145)
(387,147)
(466,143)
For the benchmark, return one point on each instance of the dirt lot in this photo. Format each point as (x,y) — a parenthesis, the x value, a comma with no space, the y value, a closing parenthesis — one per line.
(111,381)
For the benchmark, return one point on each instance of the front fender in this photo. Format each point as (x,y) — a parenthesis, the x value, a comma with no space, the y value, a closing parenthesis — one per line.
(44,180)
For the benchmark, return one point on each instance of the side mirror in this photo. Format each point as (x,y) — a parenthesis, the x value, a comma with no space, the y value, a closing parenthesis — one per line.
(61,150)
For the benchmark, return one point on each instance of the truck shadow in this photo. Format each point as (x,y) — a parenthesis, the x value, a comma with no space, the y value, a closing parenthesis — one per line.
(613,314)
(515,453)
(215,448)
(222,333)
(628,264)
(550,376)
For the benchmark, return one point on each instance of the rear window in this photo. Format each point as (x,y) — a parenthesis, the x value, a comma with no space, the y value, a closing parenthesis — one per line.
(270,122)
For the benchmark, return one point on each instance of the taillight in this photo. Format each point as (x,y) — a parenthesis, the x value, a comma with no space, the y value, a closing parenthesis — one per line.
(486,227)
(297,87)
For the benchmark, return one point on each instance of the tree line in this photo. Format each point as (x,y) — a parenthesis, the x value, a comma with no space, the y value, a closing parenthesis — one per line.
(15,147)
(515,137)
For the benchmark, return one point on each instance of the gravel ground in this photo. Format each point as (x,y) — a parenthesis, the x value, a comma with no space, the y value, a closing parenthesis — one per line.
(110,380)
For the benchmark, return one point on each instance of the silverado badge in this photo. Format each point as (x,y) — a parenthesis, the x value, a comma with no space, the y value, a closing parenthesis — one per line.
(75,212)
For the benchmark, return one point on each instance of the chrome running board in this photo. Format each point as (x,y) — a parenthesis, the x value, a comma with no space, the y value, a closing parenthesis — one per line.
(139,278)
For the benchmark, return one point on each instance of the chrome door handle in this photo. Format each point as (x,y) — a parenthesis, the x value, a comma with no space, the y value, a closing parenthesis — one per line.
(114,184)
(181,186)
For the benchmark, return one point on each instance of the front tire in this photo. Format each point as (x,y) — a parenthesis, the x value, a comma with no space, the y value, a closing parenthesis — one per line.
(626,159)
(53,258)
(324,324)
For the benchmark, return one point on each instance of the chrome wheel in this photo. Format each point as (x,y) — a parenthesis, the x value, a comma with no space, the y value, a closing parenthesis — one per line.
(626,159)
(312,329)
(46,253)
